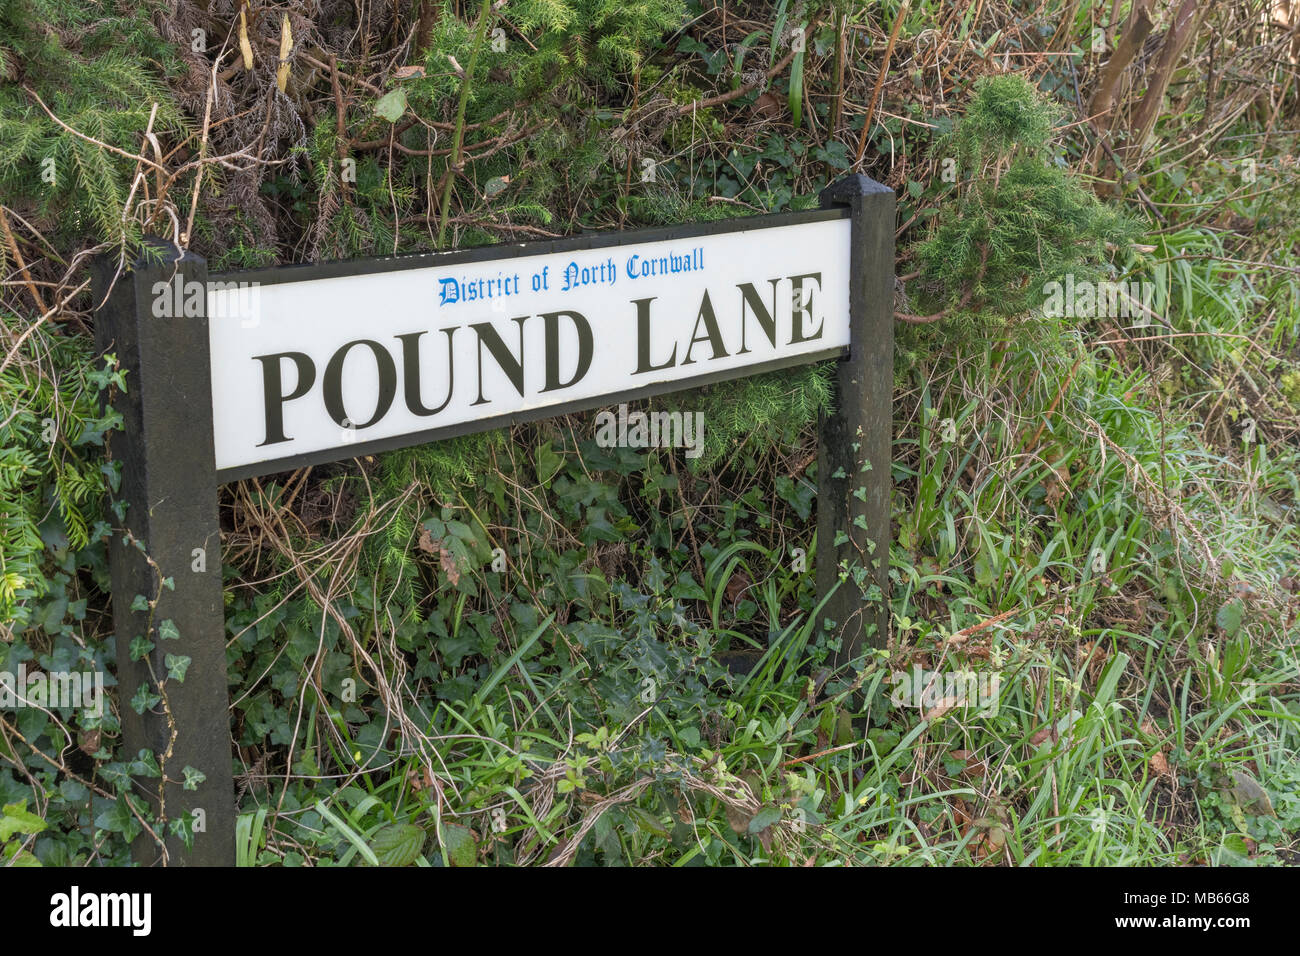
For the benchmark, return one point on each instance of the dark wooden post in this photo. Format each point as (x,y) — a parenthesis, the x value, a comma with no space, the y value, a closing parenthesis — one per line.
(155,321)
(854,455)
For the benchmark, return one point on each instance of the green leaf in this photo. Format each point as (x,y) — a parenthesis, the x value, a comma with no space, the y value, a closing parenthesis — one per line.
(193,777)
(115,819)
(145,765)
(548,463)
(17,857)
(140,603)
(398,844)
(1230,616)
(392,105)
(16,819)
(764,819)
(648,822)
(144,699)
(462,850)
(168,630)
(795,97)
(177,665)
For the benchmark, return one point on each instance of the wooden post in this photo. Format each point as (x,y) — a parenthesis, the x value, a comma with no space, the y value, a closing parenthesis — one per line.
(854,455)
(168,549)
(155,321)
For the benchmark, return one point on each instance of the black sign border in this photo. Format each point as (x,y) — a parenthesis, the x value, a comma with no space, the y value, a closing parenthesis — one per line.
(169,482)
(277,275)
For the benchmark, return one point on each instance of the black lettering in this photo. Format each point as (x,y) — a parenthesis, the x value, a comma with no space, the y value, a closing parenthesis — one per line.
(553,349)
(513,367)
(766,319)
(411,373)
(711,332)
(333,384)
(273,390)
(799,309)
(643,339)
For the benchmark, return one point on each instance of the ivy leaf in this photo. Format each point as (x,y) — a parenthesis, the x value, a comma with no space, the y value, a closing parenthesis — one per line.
(392,105)
(116,819)
(193,777)
(177,665)
(144,699)
(548,463)
(140,647)
(168,630)
(145,765)
(140,603)
(764,819)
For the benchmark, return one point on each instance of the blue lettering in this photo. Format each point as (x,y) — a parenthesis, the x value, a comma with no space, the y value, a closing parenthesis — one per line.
(450,292)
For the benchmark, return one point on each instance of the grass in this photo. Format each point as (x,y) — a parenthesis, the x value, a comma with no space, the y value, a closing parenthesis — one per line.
(1077,511)
(1102,513)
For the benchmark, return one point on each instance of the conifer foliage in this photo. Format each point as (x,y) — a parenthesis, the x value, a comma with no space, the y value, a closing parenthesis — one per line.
(1018,220)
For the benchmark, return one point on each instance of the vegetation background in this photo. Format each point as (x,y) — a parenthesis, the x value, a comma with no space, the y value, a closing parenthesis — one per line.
(1099,509)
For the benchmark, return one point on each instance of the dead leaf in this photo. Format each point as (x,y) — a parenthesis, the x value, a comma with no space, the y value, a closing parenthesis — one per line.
(406,72)
(1160,765)
(90,742)
(1249,795)
(939,709)
(767,107)
(740,582)
(286,46)
(245,47)
(974,766)
(427,544)
(448,562)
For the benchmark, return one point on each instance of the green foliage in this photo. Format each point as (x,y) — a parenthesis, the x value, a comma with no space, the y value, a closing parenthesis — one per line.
(1021,223)
(52,477)
(521,646)
(98,75)
(15,823)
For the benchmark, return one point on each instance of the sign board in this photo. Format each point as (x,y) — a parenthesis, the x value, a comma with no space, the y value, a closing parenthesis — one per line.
(270,370)
(310,366)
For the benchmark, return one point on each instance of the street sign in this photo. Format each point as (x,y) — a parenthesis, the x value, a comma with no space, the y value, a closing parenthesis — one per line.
(265,371)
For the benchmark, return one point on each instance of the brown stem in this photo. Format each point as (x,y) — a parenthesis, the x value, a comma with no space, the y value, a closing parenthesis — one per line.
(880,79)
(1135,34)
(1181,33)
(740,91)
(18,260)
(911,319)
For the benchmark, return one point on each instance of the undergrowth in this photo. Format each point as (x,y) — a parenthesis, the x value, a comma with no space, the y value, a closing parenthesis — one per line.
(524,648)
